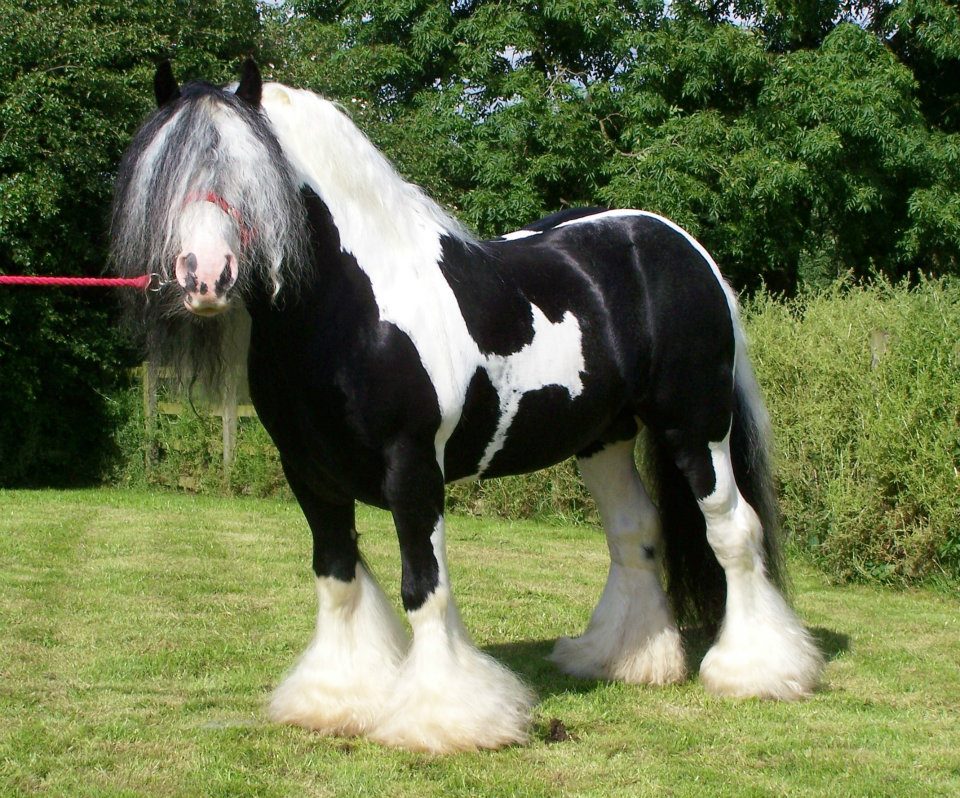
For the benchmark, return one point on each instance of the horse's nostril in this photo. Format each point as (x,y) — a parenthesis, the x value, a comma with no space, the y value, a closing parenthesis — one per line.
(203,289)
(226,278)
(186,271)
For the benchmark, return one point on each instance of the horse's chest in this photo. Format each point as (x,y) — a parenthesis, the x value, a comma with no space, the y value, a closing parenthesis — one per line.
(312,418)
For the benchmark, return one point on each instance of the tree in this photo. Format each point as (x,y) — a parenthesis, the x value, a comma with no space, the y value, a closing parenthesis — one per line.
(74,82)
(792,167)
(488,105)
(795,144)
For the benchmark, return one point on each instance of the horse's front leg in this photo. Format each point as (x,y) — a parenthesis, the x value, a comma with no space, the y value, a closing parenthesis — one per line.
(341,682)
(449,695)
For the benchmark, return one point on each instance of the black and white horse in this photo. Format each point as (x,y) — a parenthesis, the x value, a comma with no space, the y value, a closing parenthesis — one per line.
(388,352)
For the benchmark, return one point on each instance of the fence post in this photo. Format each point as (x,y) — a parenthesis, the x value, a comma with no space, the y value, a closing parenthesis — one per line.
(228,415)
(149,372)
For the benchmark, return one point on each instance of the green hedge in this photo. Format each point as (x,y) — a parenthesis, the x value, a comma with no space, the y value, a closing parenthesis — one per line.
(863,386)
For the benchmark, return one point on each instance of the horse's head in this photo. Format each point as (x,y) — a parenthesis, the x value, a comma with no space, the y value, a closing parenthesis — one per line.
(211,231)
(205,197)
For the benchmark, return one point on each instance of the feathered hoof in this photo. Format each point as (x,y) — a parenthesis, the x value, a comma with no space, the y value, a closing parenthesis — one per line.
(781,664)
(341,682)
(577,657)
(474,703)
(657,660)
(632,636)
(339,710)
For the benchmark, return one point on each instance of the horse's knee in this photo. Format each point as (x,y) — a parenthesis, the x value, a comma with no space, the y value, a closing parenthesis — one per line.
(734,530)
(736,538)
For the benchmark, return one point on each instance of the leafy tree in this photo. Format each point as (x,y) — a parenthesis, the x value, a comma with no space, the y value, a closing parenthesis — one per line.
(488,105)
(792,167)
(74,82)
(925,35)
(796,145)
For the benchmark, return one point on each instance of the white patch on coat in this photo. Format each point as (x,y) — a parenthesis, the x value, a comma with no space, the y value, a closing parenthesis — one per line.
(553,357)
(394,232)
(516,235)
(763,650)
(632,635)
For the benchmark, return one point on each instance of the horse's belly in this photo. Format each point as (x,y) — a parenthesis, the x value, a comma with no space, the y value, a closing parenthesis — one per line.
(499,436)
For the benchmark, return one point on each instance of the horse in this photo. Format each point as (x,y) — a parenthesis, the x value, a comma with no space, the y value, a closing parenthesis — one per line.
(389,352)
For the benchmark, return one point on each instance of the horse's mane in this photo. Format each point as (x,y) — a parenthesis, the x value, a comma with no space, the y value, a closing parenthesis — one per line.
(366,196)
(258,159)
(208,141)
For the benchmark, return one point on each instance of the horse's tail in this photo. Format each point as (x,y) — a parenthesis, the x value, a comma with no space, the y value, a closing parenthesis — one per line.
(695,581)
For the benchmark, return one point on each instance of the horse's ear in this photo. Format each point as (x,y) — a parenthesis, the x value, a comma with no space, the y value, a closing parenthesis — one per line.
(251,84)
(165,87)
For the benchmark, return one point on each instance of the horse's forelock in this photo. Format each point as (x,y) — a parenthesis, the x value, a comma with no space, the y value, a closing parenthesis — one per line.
(208,142)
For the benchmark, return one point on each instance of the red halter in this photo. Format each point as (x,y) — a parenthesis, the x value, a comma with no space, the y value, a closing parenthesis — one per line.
(247,233)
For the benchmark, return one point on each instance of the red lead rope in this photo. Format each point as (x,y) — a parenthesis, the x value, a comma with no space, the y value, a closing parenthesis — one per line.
(142,282)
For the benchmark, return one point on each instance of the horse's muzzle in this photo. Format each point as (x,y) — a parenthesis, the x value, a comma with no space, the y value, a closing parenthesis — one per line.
(206,281)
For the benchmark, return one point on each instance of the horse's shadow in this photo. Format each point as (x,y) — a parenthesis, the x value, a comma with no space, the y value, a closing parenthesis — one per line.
(528,658)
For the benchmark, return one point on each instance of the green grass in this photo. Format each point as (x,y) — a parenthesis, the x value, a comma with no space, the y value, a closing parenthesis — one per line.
(142,632)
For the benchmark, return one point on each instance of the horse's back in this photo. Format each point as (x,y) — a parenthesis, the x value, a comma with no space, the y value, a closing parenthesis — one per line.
(648,280)
(682,321)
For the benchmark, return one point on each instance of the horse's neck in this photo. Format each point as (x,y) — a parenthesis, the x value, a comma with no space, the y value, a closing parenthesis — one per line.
(383,221)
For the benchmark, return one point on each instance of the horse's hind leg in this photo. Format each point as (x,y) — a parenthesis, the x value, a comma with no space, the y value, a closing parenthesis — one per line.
(763,650)
(341,681)
(632,635)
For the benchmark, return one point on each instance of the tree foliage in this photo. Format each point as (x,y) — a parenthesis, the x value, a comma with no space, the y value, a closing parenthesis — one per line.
(74,82)
(797,144)
(799,139)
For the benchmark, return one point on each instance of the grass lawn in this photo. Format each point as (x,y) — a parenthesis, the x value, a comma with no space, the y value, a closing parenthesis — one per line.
(140,635)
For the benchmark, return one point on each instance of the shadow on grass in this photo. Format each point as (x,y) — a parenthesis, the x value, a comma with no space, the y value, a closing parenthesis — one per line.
(528,658)
(831,643)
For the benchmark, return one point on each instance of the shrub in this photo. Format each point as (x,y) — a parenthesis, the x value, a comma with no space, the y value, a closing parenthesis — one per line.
(863,386)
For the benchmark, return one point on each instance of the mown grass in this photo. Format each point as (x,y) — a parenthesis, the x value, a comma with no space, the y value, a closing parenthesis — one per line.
(142,632)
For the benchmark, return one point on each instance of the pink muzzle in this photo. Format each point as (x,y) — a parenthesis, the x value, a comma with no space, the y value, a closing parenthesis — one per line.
(207,269)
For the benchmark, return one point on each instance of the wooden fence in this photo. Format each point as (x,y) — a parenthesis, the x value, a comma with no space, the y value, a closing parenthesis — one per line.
(232,408)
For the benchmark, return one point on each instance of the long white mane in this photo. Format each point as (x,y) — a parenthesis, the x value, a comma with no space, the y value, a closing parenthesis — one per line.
(371,204)
(258,161)
(213,143)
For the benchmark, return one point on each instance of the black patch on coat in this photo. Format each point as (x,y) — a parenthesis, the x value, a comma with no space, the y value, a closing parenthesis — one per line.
(348,403)
(543,432)
(475,430)
(497,315)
